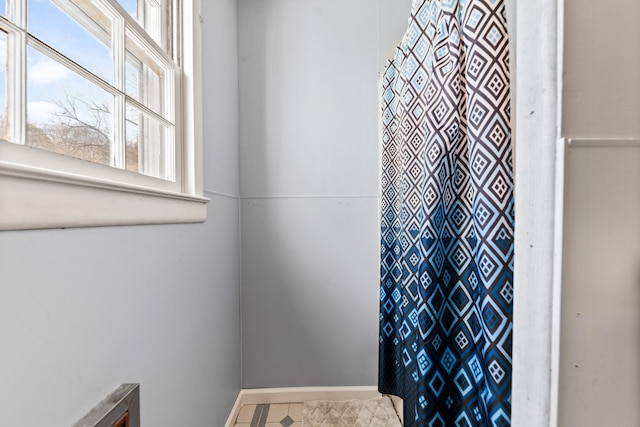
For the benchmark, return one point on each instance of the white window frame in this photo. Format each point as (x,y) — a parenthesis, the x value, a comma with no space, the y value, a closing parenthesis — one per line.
(39,189)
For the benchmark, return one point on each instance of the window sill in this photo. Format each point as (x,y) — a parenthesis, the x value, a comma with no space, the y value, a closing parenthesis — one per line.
(32,198)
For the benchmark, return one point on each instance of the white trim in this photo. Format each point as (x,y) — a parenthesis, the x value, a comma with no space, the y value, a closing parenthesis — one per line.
(118,139)
(312,196)
(561,147)
(31,200)
(16,99)
(235,411)
(559,65)
(302,394)
(15,170)
(537,114)
(191,122)
(603,142)
(558,232)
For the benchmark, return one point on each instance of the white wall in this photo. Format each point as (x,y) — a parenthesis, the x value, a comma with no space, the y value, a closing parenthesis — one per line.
(600,341)
(601,96)
(600,360)
(84,310)
(309,181)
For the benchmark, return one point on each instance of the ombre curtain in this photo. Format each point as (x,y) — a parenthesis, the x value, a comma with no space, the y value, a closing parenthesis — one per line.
(447,217)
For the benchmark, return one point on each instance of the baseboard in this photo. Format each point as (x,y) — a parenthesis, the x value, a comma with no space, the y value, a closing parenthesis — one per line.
(235,411)
(301,394)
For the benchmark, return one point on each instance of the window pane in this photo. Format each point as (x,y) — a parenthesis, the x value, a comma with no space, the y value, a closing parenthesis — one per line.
(149,146)
(3,85)
(131,6)
(89,44)
(151,16)
(151,19)
(66,113)
(144,76)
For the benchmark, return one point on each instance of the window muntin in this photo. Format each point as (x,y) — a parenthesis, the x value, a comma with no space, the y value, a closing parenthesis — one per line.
(151,142)
(3,85)
(84,39)
(145,75)
(91,96)
(66,113)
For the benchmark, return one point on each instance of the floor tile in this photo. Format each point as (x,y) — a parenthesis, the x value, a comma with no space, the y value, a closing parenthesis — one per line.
(278,415)
(246,414)
(286,421)
(295,411)
(277,412)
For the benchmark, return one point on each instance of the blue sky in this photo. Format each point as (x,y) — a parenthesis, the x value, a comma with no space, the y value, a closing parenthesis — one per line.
(48,80)
(68,38)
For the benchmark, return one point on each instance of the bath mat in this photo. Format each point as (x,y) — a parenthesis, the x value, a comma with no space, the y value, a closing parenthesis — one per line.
(376,412)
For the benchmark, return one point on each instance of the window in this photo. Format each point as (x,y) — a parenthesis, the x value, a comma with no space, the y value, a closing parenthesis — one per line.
(100,113)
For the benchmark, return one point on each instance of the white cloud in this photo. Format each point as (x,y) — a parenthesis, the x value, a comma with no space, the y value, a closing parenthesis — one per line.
(40,112)
(45,71)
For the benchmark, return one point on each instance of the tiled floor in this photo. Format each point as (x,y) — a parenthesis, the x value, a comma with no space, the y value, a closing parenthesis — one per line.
(275,415)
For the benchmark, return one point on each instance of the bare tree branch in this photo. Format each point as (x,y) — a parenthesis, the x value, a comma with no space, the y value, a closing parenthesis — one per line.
(76,112)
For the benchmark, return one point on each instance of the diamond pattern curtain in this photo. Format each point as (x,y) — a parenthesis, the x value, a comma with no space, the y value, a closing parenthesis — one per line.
(447,217)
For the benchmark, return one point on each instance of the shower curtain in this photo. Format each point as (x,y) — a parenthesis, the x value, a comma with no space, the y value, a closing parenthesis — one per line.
(447,217)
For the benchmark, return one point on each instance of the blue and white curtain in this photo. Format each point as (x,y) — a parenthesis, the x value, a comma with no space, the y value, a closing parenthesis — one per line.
(447,217)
